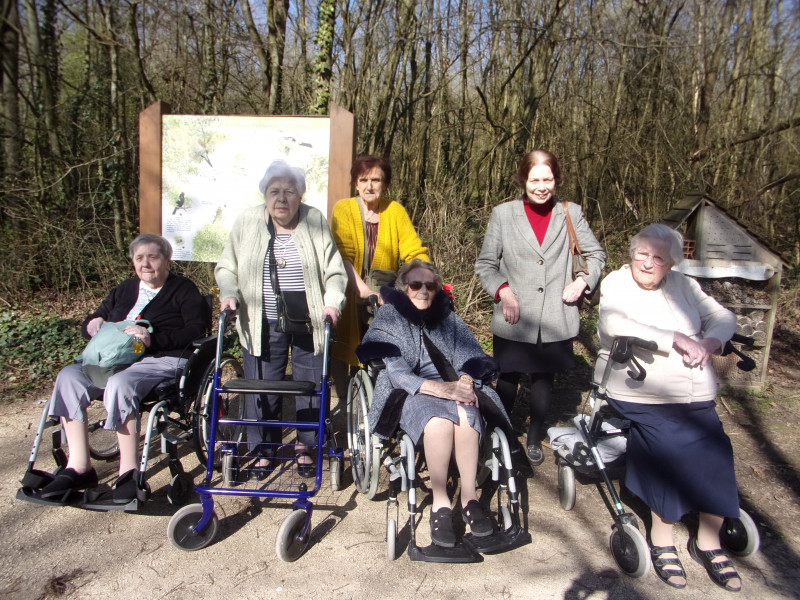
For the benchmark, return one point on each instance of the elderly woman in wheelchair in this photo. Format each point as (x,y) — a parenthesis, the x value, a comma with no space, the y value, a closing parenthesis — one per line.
(432,387)
(177,314)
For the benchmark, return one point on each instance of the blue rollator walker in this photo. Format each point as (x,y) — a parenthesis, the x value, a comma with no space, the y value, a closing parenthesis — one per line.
(194,526)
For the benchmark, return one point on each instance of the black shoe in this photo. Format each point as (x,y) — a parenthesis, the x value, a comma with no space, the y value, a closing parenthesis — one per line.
(480,524)
(67,481)
(535,454)
(261,468)
(442,533)
(306,470)
(126,487)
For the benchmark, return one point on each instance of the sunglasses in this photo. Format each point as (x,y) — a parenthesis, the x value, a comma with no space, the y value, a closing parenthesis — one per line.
(417,286)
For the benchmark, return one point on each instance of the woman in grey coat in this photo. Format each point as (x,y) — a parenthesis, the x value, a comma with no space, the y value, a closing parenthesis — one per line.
(526,266)
(432,387)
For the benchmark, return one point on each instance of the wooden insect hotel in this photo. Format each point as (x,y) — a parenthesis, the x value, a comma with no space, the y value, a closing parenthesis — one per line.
(736,268)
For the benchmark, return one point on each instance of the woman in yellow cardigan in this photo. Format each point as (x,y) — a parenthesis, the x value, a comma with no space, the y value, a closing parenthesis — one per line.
(390,238)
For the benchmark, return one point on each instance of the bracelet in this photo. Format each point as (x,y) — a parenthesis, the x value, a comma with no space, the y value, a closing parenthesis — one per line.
(466,378)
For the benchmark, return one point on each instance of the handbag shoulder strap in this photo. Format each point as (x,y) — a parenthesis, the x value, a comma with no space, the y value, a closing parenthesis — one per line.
(574,247)
(364,267)
(273,271)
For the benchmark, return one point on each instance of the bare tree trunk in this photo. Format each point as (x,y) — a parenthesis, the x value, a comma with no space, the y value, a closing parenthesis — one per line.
(276,42)
(9,75)
(326,19)
(258,45)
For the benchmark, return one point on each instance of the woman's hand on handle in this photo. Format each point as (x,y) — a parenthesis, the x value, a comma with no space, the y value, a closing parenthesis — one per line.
(510,305)
(573,292)
(695,353)
(333,313)
(229,302)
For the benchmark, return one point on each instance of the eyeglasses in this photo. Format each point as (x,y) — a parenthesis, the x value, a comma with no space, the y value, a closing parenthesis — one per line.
(417,285)
(645,256)
(287,193)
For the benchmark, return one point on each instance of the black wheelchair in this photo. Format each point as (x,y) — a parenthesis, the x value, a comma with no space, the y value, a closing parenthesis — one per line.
(178,410)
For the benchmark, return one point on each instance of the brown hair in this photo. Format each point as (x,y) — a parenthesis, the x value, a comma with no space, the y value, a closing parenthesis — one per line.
(367,162)
(530,160)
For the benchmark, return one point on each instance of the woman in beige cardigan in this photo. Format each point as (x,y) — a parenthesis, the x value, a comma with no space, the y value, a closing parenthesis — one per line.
(306,258)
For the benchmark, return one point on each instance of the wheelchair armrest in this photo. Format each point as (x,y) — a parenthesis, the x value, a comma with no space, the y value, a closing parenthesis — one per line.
(202,341)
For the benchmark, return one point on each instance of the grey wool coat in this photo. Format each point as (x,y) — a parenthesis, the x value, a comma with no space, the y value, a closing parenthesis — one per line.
(537,274)
(397,331)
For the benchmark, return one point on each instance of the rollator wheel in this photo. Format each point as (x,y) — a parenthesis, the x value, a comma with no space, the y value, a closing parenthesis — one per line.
(630,551)
(336,473)
(180,488)
(566,487)
(288,544)
(184,521)
(102,442)
(740,536)
(391,539)
(359,394)
(231,405)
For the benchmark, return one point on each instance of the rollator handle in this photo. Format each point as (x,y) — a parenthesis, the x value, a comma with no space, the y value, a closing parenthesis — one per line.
(746,363)
(622,352)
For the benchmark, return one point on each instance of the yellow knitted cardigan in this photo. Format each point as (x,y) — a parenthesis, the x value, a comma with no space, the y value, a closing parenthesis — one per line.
(397,243)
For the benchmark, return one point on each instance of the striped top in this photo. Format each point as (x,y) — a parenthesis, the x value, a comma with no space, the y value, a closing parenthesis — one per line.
(290,272)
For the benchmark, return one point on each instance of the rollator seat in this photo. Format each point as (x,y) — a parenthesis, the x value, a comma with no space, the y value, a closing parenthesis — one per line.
(258,386)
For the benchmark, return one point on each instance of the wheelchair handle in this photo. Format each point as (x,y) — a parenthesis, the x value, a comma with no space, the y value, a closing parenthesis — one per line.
(372,300)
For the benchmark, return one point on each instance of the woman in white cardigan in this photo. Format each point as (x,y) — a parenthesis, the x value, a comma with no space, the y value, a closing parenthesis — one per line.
(679,459)
(305,258)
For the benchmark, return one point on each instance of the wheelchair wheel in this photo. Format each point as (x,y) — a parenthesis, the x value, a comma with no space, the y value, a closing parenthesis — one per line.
(566,487)
(391,539)
(230,405)
(228,469)
(740,536)
(289,544)
(505,516)
(179,489)
(181,524)
(102,442)
(364,455)
(630,551)
(336,473)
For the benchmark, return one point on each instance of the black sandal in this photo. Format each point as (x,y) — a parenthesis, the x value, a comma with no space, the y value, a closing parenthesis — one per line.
(475,516)
(714,569)
(667,568)
(442,533)
(67,481)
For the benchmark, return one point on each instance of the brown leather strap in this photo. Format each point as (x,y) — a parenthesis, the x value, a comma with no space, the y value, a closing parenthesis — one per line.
(574,247)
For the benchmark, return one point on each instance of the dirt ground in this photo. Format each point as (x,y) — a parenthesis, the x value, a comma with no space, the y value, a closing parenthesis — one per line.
(73,553)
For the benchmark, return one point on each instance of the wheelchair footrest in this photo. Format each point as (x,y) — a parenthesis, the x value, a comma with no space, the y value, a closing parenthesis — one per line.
(258,386)
(439,554)
(500,541)
(30,495)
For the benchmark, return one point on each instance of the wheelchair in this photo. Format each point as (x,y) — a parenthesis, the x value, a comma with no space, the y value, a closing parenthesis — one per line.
(369,454)
(178,410)
(591,451)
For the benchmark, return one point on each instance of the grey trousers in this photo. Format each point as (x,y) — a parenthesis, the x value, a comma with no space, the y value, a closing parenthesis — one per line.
(271,365)
(73,391)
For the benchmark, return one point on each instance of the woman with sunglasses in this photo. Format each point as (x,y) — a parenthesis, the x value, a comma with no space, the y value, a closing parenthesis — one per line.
(679,459)
(433,387)
(526,266)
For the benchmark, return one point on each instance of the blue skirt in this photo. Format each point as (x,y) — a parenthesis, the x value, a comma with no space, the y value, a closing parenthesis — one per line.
(679,459)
